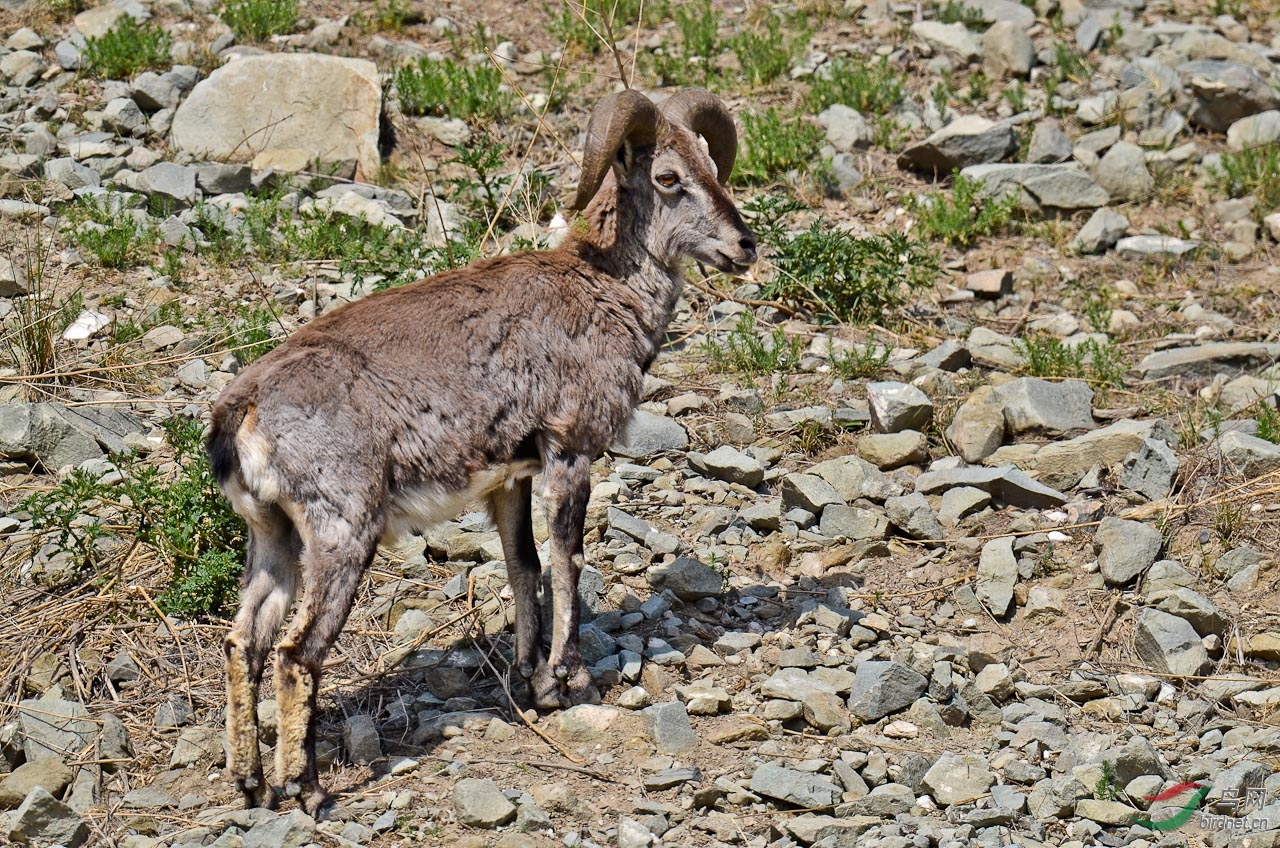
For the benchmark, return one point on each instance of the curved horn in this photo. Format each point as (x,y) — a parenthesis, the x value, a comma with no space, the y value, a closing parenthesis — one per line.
(702,112)
(625,116)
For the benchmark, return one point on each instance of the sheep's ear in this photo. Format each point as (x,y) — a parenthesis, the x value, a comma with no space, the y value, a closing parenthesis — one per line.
(626,164)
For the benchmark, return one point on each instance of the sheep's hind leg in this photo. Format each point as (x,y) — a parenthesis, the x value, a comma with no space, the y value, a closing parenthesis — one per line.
(270,582)
(333,570)
(568,486)
(511,513)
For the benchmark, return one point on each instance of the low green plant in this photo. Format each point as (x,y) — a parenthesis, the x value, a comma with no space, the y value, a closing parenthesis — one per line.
(1099,363)
(745,351)
(480,184)
(873,87)
(251,334)
(114,236)
(258,20)
(1105,788)
(1268,418)
(979,87)
(953,12)
(847,277)
(1254,170)
(699,26)
(1070,64)
(1097,310)
(962,216)
(859,362)
(588,24)
(128,48)
(453,89)
(1015,95)
(773,144)
(179,515)
(36,320)
(768,55)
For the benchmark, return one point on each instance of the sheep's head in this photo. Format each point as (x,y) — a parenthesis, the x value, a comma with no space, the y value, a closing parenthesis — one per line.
(681,154)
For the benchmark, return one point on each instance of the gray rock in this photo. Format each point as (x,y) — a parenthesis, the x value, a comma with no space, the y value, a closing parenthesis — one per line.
(1048,189)
(1248,455)
(794,787)
(913,516)
(1123,173)
(1005,482)
(1225,92)
(326,106)
(1032,405)
(950,355)
(1254,130)
(1126,548)
(898,406)
(49,773)
(1237,560)
(688,579)
(853,523)
(894,450)
(846,128)
(174,711)
(1135,758)
(960,502)
(52,727)
(952,39)
(1158,247)
(153,92)
(969,140)
(123,116)
(218,178)
(1104,228)
(1055,798)
(1192,606)
(1150,470)
(44,820)
(808,492)
(67,55)
(480,803)
(1169,644)
(287,830)
(22,67)
(853,477)
(732,465)
(958,778)
(648,434)
(169,180)
(997,575)
(672,732)
(1207,359)
(71,173)
(196,745)
(1049,144)
(977,428)
(114,743)
(360,739)
(881,688)
(1007,50)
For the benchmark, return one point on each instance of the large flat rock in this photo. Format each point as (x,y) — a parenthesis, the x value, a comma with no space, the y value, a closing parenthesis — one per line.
(1207,359)
(327,107)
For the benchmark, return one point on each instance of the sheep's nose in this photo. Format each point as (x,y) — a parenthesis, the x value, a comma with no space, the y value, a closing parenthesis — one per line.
(748,245)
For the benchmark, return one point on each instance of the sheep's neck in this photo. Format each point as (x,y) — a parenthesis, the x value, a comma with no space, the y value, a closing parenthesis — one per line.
(632,261)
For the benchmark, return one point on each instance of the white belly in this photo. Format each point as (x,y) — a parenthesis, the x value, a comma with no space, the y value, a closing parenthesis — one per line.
(417,509)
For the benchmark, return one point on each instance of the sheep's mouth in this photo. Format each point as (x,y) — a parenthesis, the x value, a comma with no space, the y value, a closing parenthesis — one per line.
(730,265)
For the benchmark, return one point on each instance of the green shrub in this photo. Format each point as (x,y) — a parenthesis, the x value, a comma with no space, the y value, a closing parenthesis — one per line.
(1100,363)
(127,49)
(258,20)
(745,351)
(766,56)
(959,217)
(110,234)
(871,87)
(452,89)
(773,145)
(180,516)
(1254,170)
(851,278)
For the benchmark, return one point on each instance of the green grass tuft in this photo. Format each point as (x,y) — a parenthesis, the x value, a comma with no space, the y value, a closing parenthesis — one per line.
(129,48)
(258,20)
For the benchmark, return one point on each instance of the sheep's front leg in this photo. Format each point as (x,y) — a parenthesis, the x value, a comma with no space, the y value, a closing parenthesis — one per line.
(568,486)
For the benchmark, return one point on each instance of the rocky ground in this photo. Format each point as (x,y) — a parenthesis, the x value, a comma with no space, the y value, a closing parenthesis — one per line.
(994,568)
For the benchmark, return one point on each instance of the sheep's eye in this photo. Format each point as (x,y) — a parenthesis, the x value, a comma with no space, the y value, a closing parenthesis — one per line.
(667,180)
